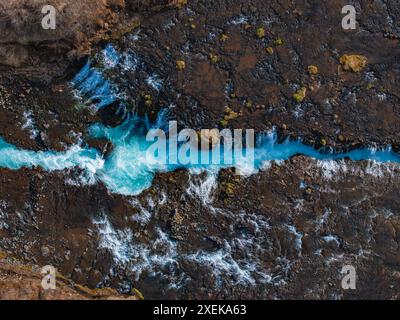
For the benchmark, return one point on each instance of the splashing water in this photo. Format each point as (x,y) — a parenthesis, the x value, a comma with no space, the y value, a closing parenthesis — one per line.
(91,84)
(127,170)
(13,158)
(110,56)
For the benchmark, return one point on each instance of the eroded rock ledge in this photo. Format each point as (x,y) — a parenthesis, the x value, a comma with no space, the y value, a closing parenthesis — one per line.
(23,282)
(41,53)
(197,237)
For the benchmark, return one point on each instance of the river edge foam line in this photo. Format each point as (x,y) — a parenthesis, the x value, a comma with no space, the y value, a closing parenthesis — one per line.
(127,170)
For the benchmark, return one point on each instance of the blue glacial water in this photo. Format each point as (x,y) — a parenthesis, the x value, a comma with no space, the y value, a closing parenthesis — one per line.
(127,170)
(91,83)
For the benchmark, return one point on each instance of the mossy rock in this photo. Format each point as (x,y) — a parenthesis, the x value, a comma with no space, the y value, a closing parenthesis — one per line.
(228,188)
(300,95)
(230,114)
(223,37)
(3,255)
(223,123)
(213,58)
(270,51)
(249,104)
(353,62)
(261,33)
(137,294)
(180,65)
(313,70)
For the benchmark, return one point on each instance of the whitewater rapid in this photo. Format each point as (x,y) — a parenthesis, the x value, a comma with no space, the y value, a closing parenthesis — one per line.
(127,170)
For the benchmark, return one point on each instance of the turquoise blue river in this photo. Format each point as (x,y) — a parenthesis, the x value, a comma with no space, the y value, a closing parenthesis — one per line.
(126,170)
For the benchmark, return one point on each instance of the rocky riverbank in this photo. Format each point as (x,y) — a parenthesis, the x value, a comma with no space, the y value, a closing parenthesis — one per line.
(283,233)
(24,282)
(232,76)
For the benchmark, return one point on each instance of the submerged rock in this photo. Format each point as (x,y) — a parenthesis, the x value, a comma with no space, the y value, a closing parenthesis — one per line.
(103,145)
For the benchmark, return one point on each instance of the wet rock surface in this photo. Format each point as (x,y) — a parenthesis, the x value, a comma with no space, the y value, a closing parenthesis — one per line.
(41,118)
(228,65)
(232,79)
(264,236)
(283,233)
(44,53)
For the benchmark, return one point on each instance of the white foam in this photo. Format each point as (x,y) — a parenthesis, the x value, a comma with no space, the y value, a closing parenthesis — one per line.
(204,188)
(298,237)
(144,215)
(330,168)
(119,243)
(3,215)
(30,125)
(379,170)
(155,82)
(153,258)
(130,61)
(331,238)
(239,20)
(222,264)
(163,199)
(237,262)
